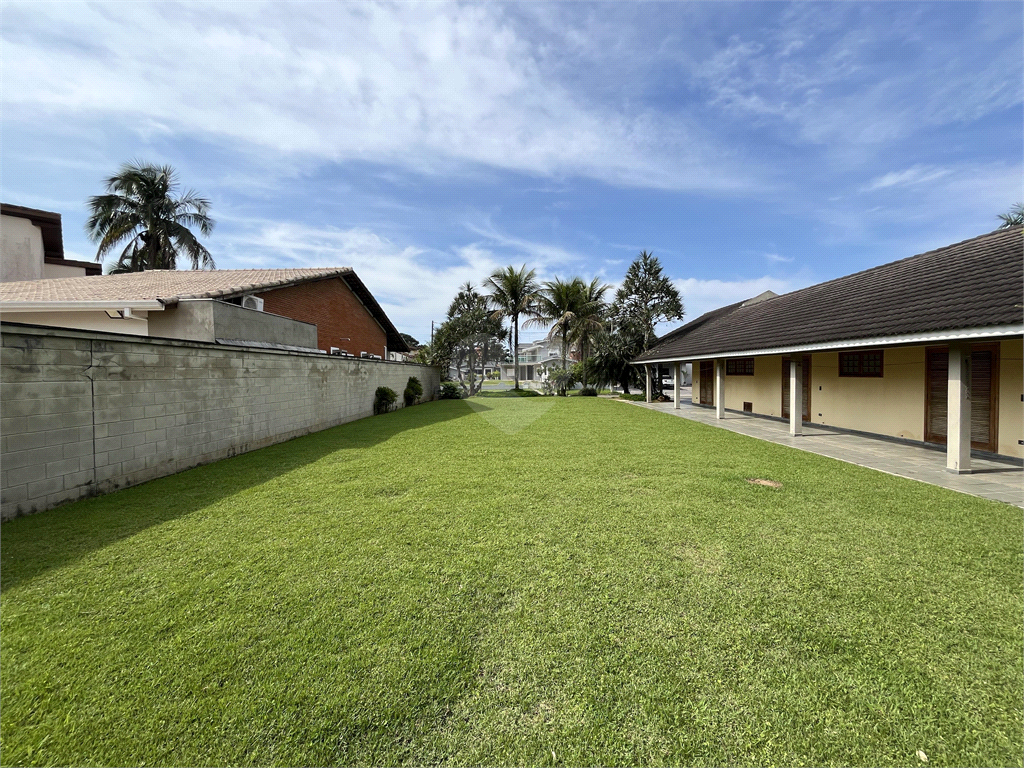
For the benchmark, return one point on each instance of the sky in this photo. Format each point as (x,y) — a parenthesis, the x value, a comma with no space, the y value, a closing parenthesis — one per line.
(753,146)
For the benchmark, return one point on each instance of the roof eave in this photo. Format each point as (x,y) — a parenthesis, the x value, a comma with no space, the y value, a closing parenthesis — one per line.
(906,339)
(151,305)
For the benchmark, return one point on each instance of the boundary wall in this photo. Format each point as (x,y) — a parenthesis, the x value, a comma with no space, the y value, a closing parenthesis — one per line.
(84,413)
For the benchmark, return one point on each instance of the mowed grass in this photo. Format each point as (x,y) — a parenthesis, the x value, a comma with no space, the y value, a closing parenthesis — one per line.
(515,581)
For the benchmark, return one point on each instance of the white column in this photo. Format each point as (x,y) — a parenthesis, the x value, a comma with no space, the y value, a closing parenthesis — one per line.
(720,389)
(648,369)
(796,395)
(678,384)
(958,412)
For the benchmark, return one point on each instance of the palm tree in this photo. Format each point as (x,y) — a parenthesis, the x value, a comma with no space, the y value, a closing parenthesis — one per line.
(589,320)
(1014,218)
(141,207)
(513,293)
(558,302)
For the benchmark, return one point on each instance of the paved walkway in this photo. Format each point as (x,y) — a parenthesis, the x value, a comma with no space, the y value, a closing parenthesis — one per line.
(997,480)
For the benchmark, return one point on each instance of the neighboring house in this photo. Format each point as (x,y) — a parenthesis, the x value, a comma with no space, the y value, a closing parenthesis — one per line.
(326,309)
(928,349)
(32,247)
(536,360)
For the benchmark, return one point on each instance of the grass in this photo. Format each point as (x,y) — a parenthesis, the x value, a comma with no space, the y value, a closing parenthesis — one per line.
(514,581)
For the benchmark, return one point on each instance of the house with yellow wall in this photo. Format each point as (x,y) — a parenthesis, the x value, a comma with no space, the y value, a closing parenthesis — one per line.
(928,349)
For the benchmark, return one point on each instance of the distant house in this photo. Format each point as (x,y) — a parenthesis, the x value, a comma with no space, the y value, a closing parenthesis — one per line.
(32,246)
(326,309)
(536,359)
(928,349)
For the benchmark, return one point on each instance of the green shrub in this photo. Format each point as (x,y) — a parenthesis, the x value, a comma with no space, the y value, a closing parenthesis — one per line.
(588,392)
(451,391)
(383,400)
(638,398)
(413,391)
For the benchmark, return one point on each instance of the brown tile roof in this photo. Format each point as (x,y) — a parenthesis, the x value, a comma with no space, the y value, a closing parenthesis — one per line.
(169,286)
(976,283)
(166,285)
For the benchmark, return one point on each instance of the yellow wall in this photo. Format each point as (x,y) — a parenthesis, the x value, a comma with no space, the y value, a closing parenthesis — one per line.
(1011,387)
(763,389)
(891,405)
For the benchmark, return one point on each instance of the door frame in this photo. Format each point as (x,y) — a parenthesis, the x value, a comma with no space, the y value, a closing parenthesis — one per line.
(704,365)
(806,415)
(993,403)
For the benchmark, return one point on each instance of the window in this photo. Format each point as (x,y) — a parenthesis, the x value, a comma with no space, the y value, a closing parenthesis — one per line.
(860,363)
(740,366)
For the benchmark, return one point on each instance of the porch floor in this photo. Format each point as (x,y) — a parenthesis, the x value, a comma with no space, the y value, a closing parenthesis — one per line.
(1001,481)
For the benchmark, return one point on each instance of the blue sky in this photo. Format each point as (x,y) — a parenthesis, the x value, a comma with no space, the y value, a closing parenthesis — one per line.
(750,146)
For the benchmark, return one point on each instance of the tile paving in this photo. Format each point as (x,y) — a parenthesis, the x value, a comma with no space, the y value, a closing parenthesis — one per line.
(990,479)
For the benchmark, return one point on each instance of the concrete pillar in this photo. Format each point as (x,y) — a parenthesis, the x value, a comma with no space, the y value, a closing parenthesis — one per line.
(677,384)
(720,389)
(796,395)
(647,368)
(958,413)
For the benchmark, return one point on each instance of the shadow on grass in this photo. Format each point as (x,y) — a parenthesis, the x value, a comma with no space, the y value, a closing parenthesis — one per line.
(37,543)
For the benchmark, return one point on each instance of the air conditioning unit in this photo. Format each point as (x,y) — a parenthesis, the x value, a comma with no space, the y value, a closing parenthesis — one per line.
(335,351)
(252,302)
(368,356)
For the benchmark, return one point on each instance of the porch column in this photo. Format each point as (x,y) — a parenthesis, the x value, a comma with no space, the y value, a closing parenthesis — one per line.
(720,389)
(647,368)
(677,384)
(958,414)
(796,395)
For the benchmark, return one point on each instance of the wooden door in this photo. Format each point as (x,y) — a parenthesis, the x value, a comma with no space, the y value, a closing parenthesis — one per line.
(707,382)
(984,395)
(806,387)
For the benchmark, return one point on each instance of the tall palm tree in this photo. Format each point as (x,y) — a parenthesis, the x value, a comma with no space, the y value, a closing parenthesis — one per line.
(557,303)
(589,320)
(141,207)
(1013,218)
(513,294)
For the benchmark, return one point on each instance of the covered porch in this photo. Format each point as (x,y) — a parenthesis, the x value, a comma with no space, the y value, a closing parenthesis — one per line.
(990,479)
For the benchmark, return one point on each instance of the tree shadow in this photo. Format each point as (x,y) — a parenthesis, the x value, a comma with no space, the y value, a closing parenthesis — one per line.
(35,544)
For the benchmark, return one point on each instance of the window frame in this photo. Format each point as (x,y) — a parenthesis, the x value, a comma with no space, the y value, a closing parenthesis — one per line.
(748,362)
(859,372)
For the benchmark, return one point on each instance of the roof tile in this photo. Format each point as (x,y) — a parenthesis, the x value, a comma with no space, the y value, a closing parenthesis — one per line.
(976,283)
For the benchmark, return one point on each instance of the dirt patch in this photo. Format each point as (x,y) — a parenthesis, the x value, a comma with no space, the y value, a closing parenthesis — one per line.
(762,481)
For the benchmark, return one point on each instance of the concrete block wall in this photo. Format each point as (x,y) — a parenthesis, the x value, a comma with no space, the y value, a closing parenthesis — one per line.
(84,413)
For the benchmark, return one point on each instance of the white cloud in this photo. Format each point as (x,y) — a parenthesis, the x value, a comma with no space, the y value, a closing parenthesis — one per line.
(855,77)
(918,174)
(540,255)
(413,285)
(778,258)
(425,86)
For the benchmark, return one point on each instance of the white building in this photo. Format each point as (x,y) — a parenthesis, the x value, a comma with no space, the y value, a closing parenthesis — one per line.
(32,247)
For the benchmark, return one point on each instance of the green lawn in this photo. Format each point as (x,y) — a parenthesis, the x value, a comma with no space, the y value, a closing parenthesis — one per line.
(515,581)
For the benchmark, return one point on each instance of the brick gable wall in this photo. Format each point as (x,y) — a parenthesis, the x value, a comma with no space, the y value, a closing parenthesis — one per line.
(336,311)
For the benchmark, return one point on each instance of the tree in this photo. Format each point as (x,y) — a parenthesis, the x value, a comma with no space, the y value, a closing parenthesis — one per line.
(470,334)
(410,341)
(513,294)
(1013,218)
(613,351)
(646,298)
(589,320)
(557,304)
(141,207)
